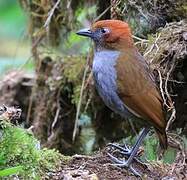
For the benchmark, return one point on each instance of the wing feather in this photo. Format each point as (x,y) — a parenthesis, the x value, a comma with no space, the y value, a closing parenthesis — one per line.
(137,89)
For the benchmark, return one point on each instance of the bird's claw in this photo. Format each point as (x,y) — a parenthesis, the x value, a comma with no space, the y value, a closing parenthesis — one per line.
(123,150)
(123,163)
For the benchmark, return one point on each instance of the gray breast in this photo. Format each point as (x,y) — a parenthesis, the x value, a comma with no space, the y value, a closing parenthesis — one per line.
(105,79)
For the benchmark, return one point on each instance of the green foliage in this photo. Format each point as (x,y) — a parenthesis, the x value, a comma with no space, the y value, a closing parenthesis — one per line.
(151,150)
(11,171)
(169,155)
(20,149)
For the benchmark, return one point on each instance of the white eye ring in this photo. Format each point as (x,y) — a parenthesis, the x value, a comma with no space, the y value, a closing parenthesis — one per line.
(105,30)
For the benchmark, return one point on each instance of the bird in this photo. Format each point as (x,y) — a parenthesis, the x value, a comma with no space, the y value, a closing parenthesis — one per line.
(126,83)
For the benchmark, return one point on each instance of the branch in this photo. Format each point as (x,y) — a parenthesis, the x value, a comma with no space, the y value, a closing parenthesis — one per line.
(80,99)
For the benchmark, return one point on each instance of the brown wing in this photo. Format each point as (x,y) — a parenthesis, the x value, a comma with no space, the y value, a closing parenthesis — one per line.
(138,90)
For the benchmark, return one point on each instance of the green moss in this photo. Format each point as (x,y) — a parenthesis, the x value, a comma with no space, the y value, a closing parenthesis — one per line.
(151,144)
(20,148)
(184,8)
(73,73)
(74,67)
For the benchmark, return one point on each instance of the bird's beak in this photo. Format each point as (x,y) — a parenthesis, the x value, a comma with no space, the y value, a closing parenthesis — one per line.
(85,32)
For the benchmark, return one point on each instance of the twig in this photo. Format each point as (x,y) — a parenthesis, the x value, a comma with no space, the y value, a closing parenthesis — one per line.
(161,89)
(173,114)
(30,105)
(51,12)
(80,99)
(139,8)
(171,106)
(88,80)
(140,39)
(171,119)
(175,81)
(103,13)
(87,104)
(166,82)
(57,111)
(114,13)
(30,129)
(179,143)
(36,42)
(153,45)
(56,118)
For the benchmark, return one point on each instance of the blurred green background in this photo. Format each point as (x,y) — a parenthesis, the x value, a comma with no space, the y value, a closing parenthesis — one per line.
(15,50)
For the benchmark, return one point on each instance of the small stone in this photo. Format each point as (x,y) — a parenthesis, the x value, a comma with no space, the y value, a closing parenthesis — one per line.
(184,35)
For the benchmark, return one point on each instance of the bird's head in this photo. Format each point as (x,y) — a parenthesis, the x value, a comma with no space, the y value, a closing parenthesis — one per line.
(109,34)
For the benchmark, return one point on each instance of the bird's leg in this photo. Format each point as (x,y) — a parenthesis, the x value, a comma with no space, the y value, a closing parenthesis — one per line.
(133,151)
(124,150)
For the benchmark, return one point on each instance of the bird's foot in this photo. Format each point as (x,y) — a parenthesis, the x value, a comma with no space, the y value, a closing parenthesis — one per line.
(123,163)
(125,150)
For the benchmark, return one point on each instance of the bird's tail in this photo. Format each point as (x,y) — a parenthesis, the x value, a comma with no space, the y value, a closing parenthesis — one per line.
(163,140)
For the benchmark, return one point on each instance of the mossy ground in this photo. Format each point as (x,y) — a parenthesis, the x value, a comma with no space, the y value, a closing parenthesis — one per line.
(19,148)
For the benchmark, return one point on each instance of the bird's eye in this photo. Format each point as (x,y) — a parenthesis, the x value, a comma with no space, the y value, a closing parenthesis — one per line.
(104,30)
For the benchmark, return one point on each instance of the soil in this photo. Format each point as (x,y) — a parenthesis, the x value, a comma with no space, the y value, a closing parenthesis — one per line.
(99,166)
